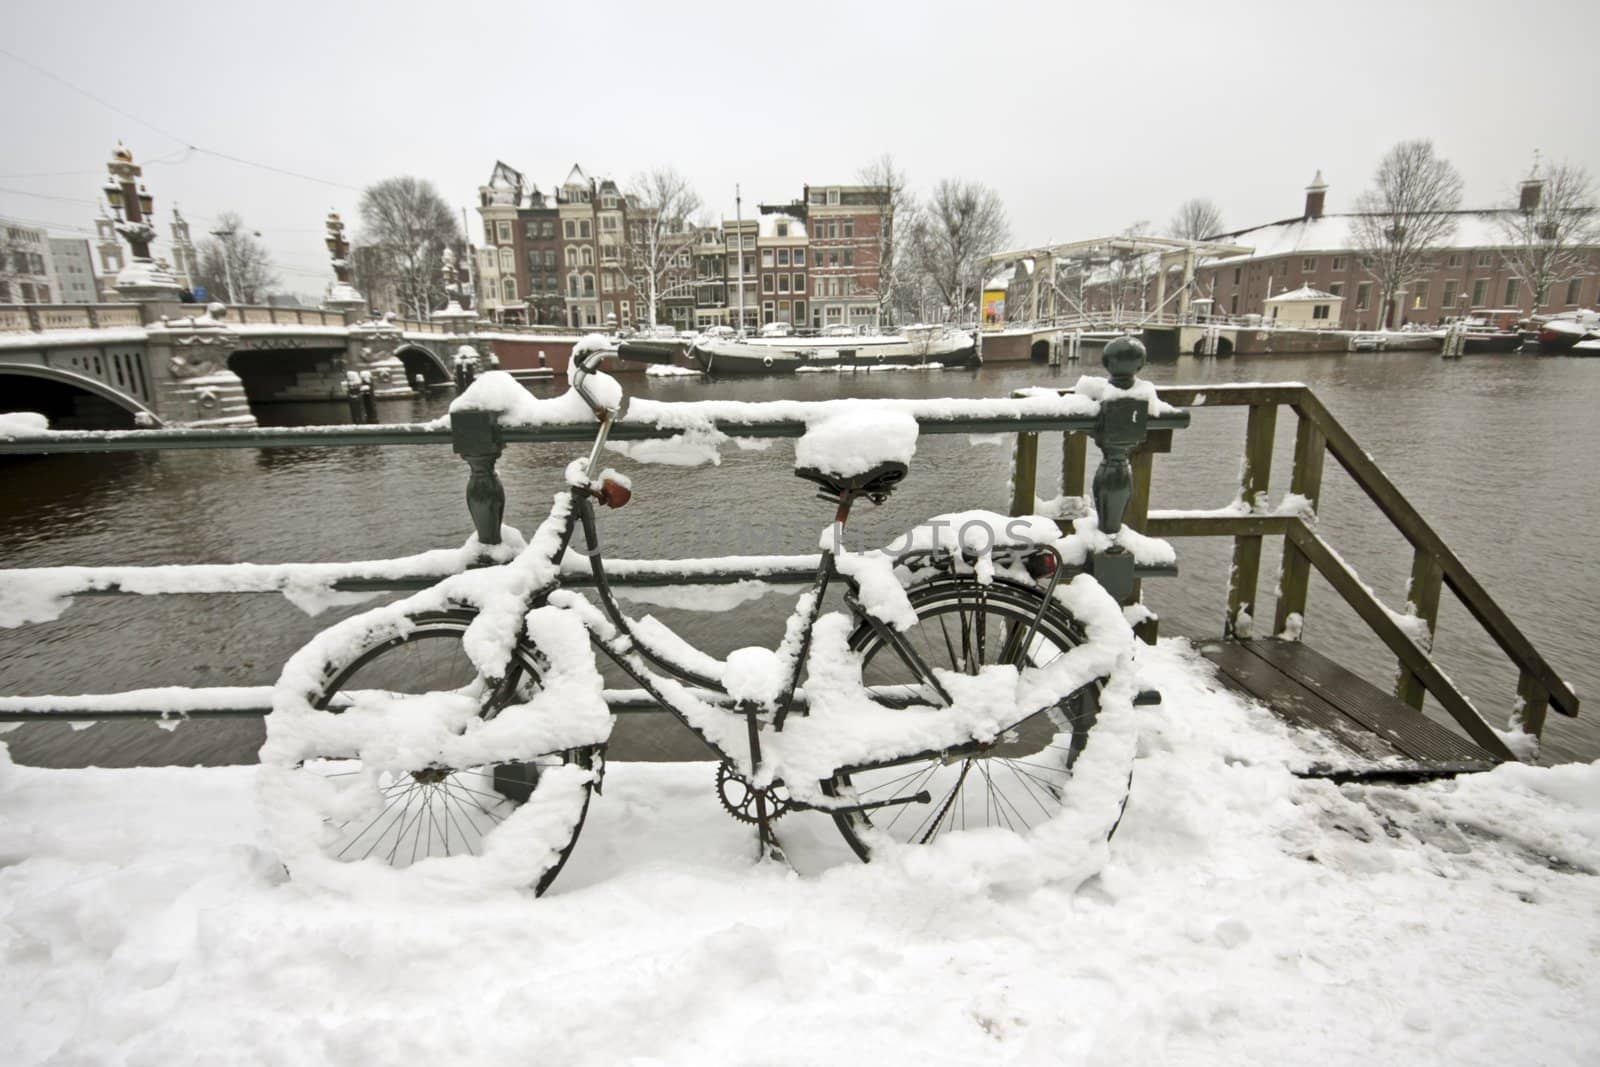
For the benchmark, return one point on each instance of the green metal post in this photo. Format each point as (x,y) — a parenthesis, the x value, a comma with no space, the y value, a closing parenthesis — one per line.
(475,436)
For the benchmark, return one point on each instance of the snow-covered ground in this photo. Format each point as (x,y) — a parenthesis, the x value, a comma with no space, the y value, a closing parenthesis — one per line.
(1240,915)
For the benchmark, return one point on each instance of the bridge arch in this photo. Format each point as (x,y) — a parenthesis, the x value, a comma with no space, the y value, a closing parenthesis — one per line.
(71,401)
(419,359)
(1040,351)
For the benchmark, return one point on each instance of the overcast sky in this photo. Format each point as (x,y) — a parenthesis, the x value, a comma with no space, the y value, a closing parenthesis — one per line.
(1085,118)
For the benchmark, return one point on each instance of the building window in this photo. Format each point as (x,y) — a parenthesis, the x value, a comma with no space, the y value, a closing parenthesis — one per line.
(783,229)
(800,310)
(1574,292)
(766,283)
(1485,259)
(1336,289)
(548,229)
(605,281)
(1419,299)
(1308,264)
(583,228)
(1480,292)
(833,197)
(1338,263)
(549,257)
(1363,296)
(783,257)
(586,255)
(1233,305)
(608,201)
(1449,302)
(849,227)
(799,283)
(610,223)
(818,196)
(849,257)
(766,257)
(572,285)
(509,286)
(783,283)
(608,309)
(1513,292)
(1236,273)
(1453,261)
(508,261)
(569,229)
(766,311)
(799,257)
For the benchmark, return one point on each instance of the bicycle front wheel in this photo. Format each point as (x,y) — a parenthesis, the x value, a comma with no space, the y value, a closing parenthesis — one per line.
(962,626)
(406,816)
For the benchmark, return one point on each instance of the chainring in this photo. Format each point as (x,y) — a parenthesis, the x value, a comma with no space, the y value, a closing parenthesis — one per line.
(738,796)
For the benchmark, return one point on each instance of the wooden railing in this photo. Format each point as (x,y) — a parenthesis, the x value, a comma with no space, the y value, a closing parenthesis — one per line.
(1434,565)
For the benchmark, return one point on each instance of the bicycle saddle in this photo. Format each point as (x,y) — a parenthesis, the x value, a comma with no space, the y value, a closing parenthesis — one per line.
(875,482)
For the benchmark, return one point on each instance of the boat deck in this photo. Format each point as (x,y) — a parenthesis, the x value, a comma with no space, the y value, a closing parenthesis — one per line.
(1386,738)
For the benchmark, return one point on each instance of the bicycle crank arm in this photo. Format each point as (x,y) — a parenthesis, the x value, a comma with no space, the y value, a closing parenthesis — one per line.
(923,797)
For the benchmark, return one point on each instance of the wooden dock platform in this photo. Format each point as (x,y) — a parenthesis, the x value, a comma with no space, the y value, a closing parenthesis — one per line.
(1387,738)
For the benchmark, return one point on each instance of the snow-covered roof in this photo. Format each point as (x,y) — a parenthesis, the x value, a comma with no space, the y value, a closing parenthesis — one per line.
(575,176)
(769,225)
(1334,233)
(1305,292)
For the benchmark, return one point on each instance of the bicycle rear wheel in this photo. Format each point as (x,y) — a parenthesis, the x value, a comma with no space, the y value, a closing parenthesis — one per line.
(403,817)
(963,625)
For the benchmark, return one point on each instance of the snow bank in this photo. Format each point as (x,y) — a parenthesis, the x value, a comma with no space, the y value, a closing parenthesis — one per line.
(23,424)
(1239,915)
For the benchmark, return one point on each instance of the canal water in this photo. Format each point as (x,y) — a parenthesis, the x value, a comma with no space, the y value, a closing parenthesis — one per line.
(1498,452)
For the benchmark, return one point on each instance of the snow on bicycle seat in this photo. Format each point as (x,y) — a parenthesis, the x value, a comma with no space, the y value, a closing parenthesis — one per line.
(863,451)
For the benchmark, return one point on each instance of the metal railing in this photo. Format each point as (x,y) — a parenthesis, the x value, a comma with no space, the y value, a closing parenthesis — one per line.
(1434,565)
(1119,426)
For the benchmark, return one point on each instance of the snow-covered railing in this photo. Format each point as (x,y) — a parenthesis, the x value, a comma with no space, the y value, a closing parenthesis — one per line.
(1250,518)
(1118,413)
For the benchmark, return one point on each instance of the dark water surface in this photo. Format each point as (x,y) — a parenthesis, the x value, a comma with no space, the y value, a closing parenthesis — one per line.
(1499,453)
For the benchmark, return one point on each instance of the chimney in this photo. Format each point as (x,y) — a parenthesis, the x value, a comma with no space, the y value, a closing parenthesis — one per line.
(1532,187)
(1316,194)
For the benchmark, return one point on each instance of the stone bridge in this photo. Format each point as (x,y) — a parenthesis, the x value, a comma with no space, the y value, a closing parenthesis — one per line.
(106,366)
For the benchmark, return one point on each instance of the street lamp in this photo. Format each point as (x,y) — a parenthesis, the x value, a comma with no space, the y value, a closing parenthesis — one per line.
(226,235)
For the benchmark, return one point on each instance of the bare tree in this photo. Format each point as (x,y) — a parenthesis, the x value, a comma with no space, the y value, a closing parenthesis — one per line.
(660,260)
(1405,216)
(410,222)
(963,223)
(1196,219)
(234,262)
(897,216)
(1546,245)
(1127,272)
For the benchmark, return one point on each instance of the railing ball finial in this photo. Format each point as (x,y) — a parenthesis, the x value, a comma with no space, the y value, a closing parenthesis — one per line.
(1123,360)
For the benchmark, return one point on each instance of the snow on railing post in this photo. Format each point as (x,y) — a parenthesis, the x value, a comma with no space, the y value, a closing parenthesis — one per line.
(1120,428)
(475,436)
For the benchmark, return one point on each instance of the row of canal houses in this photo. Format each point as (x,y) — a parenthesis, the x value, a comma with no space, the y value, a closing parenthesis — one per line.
(574,257)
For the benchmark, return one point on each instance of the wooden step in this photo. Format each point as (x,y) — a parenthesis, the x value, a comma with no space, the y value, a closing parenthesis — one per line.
(1386,738)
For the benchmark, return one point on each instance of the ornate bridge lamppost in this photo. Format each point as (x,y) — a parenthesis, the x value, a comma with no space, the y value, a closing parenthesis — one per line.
(343,296)
(142,279)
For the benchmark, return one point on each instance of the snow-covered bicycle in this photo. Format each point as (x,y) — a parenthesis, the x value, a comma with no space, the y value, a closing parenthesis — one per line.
(460,732)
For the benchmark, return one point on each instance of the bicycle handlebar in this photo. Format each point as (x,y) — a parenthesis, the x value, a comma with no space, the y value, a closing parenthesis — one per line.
(582,367)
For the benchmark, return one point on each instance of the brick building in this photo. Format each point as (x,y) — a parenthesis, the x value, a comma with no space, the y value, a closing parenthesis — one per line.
(27,269)
(1317,250)
(844,222)
(565,258)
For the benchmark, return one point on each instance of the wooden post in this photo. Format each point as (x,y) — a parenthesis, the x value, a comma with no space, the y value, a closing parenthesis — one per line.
(1024,474)
(1427,578)
(1246,573)
(1136,517)
(1294,580)
(1535,701)
(1074,464)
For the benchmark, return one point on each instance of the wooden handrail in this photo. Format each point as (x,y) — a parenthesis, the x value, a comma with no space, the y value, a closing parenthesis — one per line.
(1319,432)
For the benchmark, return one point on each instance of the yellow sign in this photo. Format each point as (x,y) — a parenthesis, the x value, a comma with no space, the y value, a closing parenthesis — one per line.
(994,308)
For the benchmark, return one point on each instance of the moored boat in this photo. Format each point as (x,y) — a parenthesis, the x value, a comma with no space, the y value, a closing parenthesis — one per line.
(927,346)
(1561,333)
